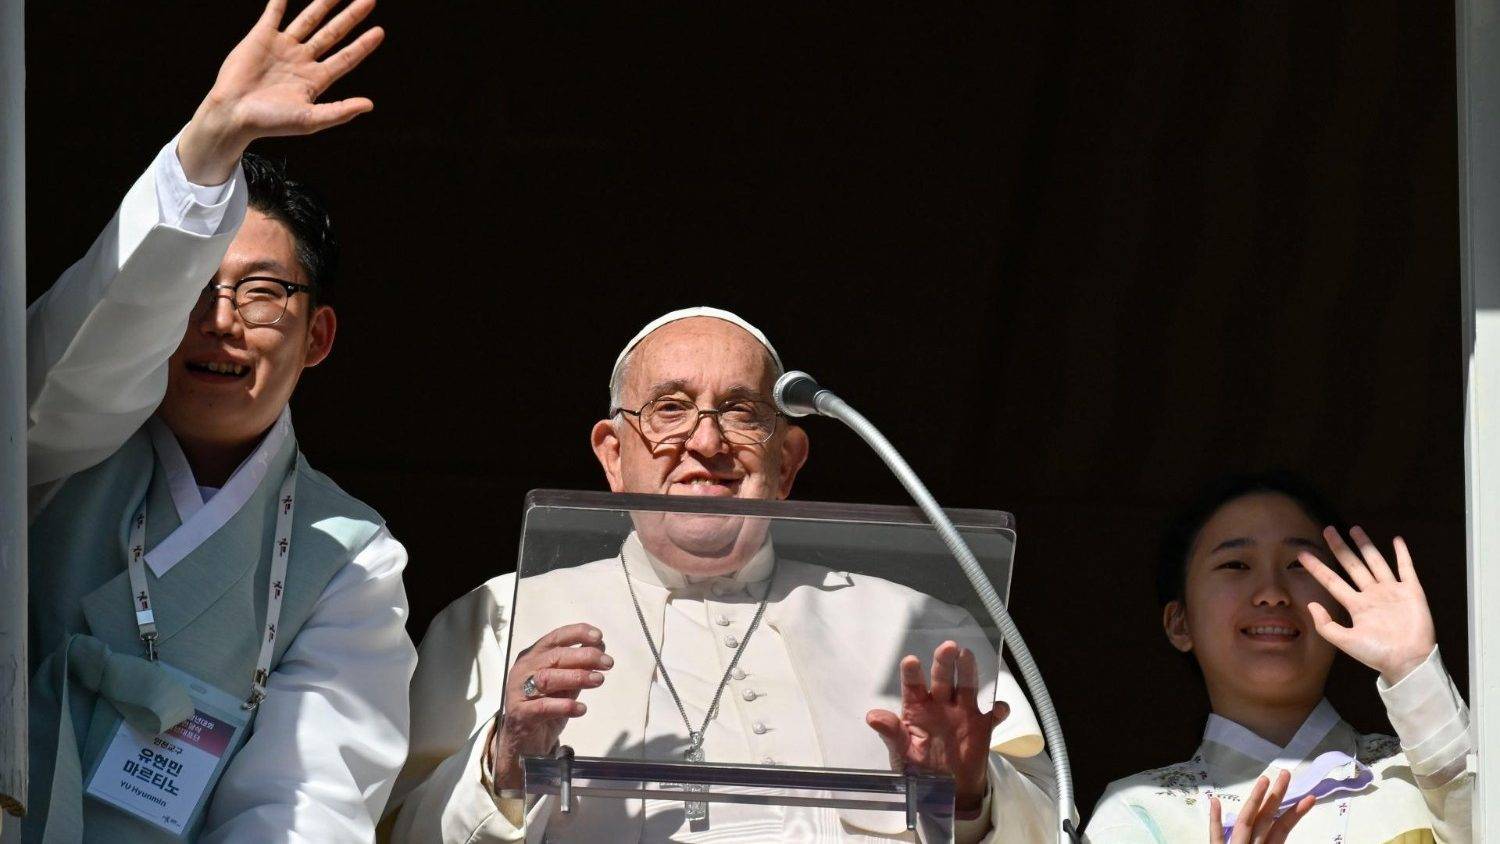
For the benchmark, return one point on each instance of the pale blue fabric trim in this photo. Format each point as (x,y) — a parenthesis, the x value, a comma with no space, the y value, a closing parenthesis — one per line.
(148,698)
(1150,824)
(207,518)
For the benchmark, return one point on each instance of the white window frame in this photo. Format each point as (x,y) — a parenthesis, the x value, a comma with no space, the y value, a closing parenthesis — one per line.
(13,662)
(1478,75)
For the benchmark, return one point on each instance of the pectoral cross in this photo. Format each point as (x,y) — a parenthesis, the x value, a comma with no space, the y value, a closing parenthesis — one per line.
(695,810)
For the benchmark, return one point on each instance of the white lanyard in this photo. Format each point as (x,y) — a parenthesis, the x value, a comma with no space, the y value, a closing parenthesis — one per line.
(145,618)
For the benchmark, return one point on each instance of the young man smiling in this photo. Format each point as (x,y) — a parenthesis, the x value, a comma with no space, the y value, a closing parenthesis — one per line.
(230,379)
(217,631)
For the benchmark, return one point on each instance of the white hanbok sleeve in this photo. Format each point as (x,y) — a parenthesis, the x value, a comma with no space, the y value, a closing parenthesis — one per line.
(1432,722)
(98,340)
(332,731)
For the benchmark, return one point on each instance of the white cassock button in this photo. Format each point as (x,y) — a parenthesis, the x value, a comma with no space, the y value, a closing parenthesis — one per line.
(759,728)
(738,673)
(730,641)
(766,760)
(722,620)
(749,694)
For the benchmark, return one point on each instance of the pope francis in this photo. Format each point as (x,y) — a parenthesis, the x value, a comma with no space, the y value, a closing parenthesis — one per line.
(701,643)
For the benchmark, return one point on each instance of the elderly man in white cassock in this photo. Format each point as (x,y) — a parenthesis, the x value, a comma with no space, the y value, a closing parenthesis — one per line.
(692,415)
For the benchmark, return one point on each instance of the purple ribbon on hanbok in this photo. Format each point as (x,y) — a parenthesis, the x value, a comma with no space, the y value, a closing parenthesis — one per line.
(1315,780)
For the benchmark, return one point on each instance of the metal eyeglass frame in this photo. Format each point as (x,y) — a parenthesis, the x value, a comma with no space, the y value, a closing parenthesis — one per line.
(716,413)
(292,289)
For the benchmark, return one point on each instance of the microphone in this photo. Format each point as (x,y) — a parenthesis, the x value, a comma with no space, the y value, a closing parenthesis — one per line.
(797,394)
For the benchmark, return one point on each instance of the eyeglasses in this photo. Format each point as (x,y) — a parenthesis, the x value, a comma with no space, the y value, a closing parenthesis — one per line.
(673,420)
(259,300)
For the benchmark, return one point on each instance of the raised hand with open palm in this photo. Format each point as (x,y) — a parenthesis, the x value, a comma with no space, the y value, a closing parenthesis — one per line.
(270,83)
(940,728)
(1260,820)
(1390,625)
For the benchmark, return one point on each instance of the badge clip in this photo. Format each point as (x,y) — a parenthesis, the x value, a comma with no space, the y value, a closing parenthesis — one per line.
(253,701)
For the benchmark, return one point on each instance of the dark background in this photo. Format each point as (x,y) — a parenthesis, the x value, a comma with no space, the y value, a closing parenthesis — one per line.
(1073,261)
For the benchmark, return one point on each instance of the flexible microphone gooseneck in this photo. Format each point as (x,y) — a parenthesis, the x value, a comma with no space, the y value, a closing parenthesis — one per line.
(797,394)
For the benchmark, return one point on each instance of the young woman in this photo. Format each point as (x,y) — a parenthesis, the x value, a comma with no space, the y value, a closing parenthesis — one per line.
(1248,591)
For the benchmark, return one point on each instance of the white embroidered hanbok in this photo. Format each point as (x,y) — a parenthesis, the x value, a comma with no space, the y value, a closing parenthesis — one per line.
(1370,788)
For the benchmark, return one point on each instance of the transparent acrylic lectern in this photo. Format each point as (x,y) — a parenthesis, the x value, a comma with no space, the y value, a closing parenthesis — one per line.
(750,639)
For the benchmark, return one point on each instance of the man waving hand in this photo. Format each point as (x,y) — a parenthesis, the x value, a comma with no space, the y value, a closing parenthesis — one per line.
(217,637)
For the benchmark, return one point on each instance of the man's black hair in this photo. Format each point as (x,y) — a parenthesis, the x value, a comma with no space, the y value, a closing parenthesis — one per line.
(301,209)
(1182,531)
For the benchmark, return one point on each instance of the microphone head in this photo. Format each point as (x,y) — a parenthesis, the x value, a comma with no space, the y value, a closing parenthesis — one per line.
(796,394)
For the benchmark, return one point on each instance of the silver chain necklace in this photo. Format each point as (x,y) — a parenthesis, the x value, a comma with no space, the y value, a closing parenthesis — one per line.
(695,810)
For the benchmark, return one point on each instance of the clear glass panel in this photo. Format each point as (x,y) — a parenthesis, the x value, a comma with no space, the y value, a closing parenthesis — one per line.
(841,593)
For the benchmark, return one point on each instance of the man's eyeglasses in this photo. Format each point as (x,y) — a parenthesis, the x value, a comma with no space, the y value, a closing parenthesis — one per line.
(673,420)
(259,300)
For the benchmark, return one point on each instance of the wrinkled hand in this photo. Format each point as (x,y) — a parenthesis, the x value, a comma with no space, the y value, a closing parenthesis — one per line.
(940,728)
(1390,623)
(563,663)
(1257,822)
(270,83)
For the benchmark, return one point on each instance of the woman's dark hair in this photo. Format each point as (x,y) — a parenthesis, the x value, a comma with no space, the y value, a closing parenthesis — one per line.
(301,209)
(1182,531)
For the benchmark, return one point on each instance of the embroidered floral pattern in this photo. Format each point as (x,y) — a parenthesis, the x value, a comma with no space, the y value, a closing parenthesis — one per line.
(1374,747)
(1180,780)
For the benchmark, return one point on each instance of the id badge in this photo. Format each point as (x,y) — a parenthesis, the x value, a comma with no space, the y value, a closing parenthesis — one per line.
(166,779)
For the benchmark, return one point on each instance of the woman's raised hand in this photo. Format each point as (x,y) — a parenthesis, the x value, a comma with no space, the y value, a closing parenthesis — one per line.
(1258,822)
(1390,625)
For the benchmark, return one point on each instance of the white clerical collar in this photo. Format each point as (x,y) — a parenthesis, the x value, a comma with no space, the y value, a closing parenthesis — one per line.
(645,567)
(200,519)
(1324,718)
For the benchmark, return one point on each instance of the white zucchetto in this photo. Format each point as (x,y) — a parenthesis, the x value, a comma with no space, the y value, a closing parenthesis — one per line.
(687,313)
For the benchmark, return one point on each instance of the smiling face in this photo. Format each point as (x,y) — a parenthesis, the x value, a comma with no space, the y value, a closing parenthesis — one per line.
(1245,614)
(704,362)
(227,382)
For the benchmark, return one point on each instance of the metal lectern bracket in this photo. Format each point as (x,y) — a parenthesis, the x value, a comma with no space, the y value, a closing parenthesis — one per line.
(564,755)
(911,802)
(925,799)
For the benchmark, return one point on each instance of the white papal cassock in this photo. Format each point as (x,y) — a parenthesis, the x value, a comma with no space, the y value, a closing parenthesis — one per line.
(1373,788)
(825,653)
